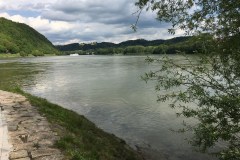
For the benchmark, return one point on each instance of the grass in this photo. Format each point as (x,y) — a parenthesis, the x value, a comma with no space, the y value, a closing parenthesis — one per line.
(8,55)
(80,138)
(17,55)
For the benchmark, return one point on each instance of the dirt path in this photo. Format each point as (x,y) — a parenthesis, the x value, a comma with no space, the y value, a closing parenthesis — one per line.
(29,133)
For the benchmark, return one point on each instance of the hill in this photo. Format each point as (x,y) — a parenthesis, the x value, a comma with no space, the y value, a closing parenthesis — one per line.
(138,42)
(21,38)
(187,45)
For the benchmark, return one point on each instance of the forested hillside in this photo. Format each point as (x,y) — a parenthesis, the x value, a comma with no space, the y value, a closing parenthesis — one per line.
(20,38)
(138,42)
(188,45)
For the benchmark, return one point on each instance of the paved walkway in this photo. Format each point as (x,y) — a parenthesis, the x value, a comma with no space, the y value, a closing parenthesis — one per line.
(30,133)
(5,147)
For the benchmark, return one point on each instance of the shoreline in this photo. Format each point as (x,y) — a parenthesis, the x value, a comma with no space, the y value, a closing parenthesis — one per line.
(29,133)
(73,134)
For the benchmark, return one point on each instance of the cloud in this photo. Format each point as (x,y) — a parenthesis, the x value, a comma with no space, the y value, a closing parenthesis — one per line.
(107,12)
(90,11)
(25,4)
(84,20)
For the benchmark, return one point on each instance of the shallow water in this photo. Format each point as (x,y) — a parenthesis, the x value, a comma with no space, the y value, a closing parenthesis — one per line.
(108,90)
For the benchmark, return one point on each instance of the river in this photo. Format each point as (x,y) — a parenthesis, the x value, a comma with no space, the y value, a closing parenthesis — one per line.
(109,91)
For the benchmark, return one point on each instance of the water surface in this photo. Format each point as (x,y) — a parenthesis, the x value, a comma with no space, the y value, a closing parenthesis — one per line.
(108,90)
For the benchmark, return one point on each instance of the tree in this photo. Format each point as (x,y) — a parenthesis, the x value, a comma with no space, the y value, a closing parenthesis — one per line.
(37,53)
(161,49)
(212,81)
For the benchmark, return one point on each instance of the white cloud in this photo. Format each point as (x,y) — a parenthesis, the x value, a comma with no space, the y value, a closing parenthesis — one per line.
(16,18)
(40,24)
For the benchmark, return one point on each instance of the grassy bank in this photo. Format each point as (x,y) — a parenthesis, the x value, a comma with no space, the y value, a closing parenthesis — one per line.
(7,55)
(80,138)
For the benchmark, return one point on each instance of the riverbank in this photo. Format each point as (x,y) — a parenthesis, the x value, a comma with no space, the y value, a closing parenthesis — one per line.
(5,55)
(76,137)
(18,55)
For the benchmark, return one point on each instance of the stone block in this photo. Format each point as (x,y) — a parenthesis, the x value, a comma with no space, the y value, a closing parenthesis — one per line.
(24,146)
(18,154)
(12,128)
(44,152)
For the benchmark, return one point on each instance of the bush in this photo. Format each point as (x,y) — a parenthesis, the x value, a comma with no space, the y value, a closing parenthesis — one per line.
(37,53)
(23,54)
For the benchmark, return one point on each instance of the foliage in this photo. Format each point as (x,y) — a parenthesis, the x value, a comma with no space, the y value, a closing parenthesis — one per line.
(7,55)
(20,38)
(216,96)
(162,49)
(212,81)
(134,49)
(218,16)
(23,54)
(37,53)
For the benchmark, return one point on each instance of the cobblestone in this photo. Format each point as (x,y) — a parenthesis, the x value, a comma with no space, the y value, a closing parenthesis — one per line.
(30,133)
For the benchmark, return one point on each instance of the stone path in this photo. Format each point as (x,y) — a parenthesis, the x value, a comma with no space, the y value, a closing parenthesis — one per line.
(29,133)
(5,147)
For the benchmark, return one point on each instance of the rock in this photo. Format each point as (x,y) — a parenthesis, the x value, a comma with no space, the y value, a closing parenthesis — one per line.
(28,122)
(43,128)
(28,115)
(24,146)
(45,143)
(16,140)
(18,133)
(53,157)
(37,136)
(18,154)
(12,128)
(44,152)
(27,158)
(16,106)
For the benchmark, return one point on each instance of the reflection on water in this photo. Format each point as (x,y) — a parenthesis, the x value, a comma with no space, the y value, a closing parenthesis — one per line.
(109,91)
(18,74)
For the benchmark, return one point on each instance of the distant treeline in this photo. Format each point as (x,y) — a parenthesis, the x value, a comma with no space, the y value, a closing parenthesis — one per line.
(138,42)
(188,45)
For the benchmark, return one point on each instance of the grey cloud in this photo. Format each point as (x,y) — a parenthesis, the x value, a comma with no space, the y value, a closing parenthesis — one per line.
(76,6)
(98,32)
(61,16)
(108,20)
(108,12)
(33,7)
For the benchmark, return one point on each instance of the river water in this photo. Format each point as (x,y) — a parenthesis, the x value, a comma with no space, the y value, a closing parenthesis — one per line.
(109,91)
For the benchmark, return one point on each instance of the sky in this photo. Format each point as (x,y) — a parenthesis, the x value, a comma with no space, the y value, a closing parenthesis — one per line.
(84,21)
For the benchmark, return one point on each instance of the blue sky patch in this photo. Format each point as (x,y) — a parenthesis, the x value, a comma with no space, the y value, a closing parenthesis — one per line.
(23,13)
